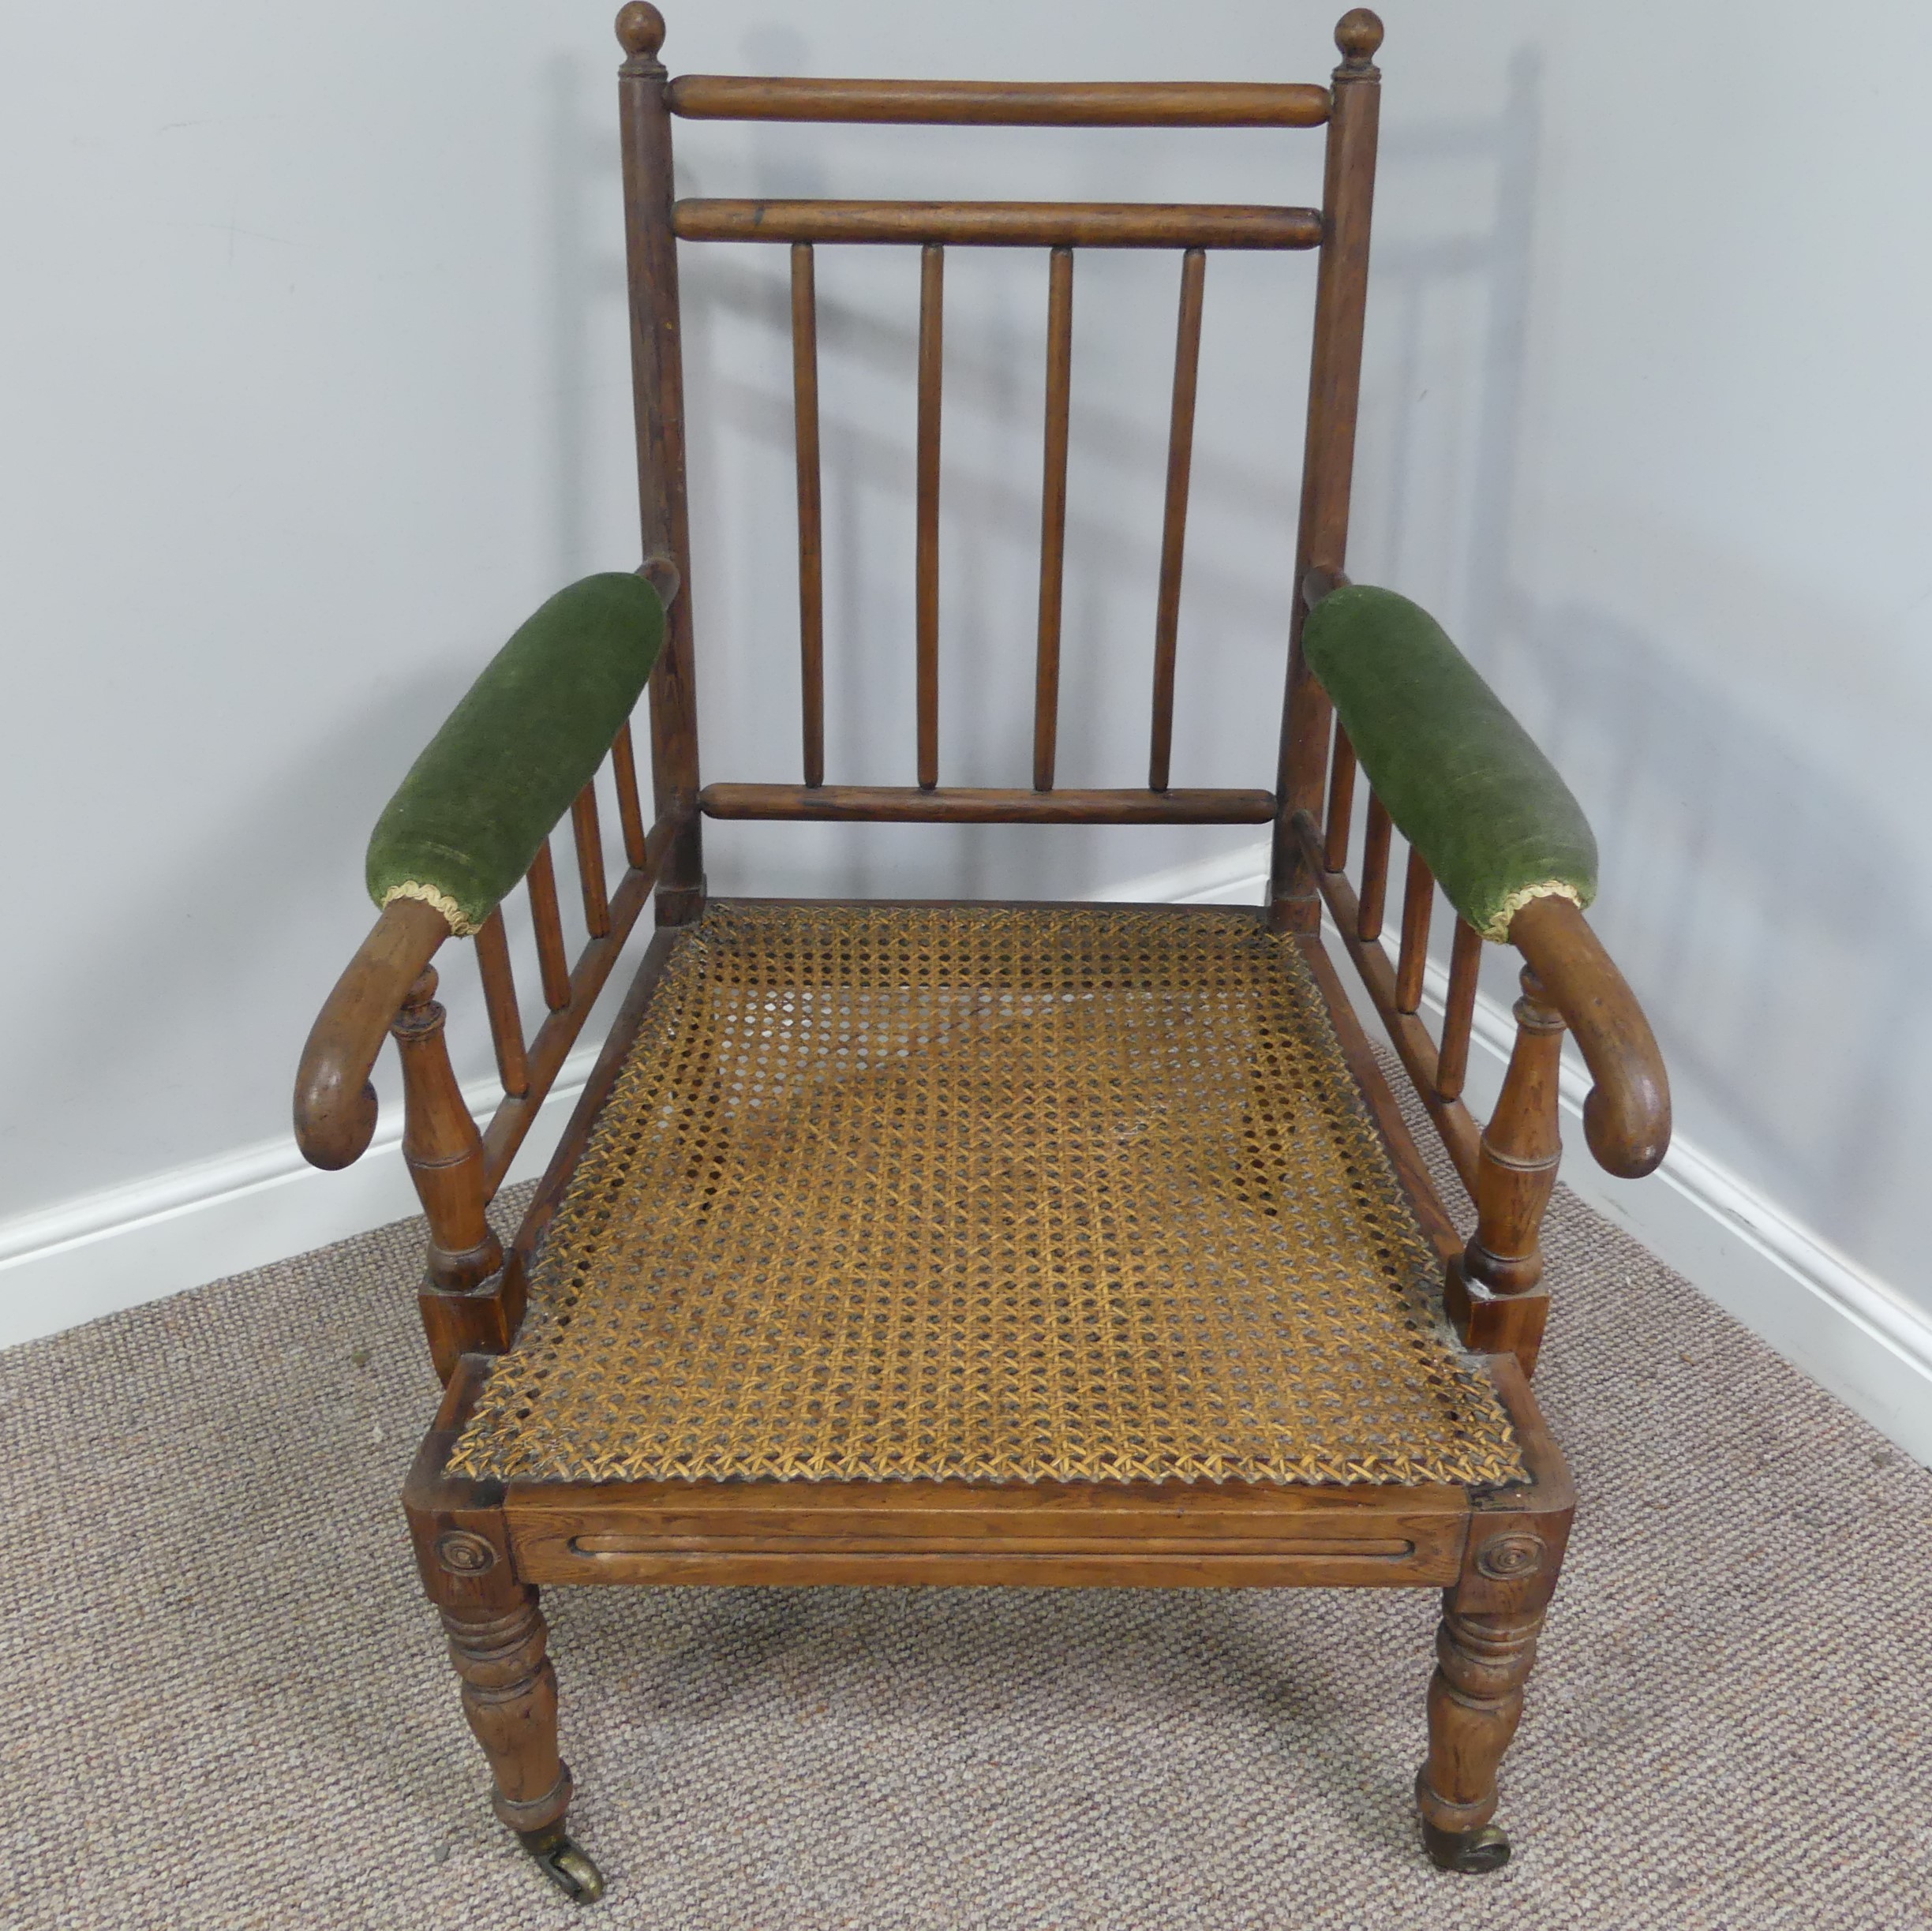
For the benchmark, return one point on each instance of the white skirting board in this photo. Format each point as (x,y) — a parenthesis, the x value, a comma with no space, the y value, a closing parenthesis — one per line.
(187,1225)
(1848,1331)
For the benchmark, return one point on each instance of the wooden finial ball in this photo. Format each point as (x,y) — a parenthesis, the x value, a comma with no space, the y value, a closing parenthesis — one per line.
(1358,33)
(641,29)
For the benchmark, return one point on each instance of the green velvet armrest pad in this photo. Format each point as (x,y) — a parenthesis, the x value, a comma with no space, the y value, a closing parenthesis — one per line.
(1462,780)
(468,820)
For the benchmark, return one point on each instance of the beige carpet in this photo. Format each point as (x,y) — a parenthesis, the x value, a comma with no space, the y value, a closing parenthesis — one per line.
(223,1703)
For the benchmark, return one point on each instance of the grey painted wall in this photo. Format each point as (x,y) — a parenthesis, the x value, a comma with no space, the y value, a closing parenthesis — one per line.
(317,382)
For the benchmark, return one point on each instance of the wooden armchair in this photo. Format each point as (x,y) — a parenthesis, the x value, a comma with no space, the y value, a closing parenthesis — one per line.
(899,1243)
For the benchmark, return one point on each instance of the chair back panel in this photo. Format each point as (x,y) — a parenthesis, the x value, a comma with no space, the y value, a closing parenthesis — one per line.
(1338,232)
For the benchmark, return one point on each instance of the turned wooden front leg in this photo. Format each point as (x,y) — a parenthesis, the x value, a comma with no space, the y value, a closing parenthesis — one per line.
(497,1640)
(509,1695)
(1475,1702)
(1484,1646)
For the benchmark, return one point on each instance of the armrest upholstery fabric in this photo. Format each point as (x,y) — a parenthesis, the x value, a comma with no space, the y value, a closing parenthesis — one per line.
(466,822)
(1463,781)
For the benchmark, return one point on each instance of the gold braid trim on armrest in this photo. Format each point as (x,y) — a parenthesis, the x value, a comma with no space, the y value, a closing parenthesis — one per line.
(1497,931)
(428,895)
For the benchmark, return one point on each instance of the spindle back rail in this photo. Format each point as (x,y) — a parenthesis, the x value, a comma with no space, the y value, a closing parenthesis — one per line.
(1060,228)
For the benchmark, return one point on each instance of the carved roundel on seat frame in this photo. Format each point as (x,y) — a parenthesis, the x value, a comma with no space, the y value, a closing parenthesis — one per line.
(463,1553)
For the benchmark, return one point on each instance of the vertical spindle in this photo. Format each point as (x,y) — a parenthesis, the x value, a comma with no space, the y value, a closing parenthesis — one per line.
(499,1001)
(1418,902)
(932,292)
(1341,802)
(590,861)
(630,811)
(811,559)
(547,920)
(1375,872)
(1459,1013)
(1053,516)
(1173,531)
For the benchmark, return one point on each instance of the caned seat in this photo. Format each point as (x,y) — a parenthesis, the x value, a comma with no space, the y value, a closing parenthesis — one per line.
(989,1244)
(991,1193)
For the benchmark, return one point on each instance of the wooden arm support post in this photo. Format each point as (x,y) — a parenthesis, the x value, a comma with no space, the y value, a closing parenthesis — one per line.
(1496,1294)
(467,1305)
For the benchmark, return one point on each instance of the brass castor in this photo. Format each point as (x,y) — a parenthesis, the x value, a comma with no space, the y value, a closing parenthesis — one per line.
(1470,1852)
(565,1863)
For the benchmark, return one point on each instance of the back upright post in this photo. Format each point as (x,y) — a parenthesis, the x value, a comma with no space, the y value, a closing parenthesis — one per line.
(658,377)
(1328,460)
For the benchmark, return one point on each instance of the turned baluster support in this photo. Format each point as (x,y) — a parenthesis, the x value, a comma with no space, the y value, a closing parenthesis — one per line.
(500,1644)
(1485,1648)
(1495,1295)
(463,1303)
(1475,1702)
(510,1697)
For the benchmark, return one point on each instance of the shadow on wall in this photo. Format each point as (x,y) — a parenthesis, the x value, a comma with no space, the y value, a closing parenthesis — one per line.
(589,395)
(1765,908)
(1731,852)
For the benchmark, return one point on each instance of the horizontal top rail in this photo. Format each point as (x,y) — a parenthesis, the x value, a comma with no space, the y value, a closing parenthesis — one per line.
(1010,224)
(1002,104)
(984,805)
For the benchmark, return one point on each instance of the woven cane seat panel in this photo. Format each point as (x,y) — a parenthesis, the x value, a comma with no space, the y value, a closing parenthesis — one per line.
(987,1193)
